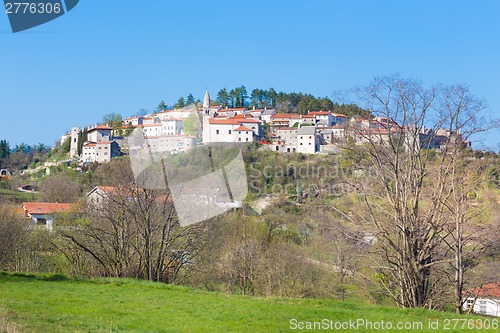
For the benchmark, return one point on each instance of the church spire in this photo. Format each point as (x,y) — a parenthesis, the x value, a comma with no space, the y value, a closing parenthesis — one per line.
(206,101)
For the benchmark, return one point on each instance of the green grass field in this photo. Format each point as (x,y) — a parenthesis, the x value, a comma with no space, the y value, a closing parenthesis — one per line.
(16,196)
(45,303)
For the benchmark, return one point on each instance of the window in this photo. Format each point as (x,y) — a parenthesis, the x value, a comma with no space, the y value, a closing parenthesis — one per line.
(309,143)
(216,131)
(301,143)
(310,137)
(229,131)
(41,221)
(247,139)
(301,137)
(239,139)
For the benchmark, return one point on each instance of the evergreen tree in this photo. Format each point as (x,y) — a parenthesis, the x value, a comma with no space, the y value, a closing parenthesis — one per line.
(271,96)
(180,103)
(4,151)
(242,96)
(222,97)
(190,100)
(82,137)
(161,107)
(232,98)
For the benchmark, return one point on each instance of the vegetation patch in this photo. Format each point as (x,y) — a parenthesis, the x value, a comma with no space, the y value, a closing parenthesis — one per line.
(119,305)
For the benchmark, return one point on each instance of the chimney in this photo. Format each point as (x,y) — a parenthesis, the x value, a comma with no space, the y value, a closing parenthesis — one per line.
(254,107)
(265,108)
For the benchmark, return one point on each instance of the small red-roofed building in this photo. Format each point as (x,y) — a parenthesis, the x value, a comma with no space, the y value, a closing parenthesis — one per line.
(42,213)
(5,174)
(99,133)
(100,196)
(169,114)
(153,129)
(484,300)
(339,118)
(266,115)
(232,129)
(133,121)
(324,118)
(244,134)
(100,152)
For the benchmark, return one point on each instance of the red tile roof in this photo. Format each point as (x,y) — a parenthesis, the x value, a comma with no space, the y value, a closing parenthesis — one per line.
(100,127)
(232,121)
(492,290)
(248,120)
(242,128)
(339,115)
(108,189)
(46,207)
(223,121)
(320,113)
(285,115)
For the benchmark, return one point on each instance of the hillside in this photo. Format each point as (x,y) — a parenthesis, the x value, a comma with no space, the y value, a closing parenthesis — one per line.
(55,303)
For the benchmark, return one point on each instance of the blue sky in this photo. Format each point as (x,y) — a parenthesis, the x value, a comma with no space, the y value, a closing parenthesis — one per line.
(121,55)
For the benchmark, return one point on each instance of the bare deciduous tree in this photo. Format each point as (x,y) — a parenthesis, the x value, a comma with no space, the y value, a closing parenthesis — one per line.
(59,188)
(13,234)
(135,232)
(405,201)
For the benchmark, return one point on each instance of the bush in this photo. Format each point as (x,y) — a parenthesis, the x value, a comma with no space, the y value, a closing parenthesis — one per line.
(12,236)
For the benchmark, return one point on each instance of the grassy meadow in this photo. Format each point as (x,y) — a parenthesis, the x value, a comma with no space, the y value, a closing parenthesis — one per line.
(56,303)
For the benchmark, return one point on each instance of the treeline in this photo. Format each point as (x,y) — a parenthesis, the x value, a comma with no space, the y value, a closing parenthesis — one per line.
(240,97)
(21,155)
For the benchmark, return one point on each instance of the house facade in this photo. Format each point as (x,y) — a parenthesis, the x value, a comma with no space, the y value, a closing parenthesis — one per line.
(307,141)
(266,115)
(42,213)
(133,121)
(287,135)
(324,118)
(99,196)
(170,143)
(229,125)
(100,152)
(484,300)
(99,133)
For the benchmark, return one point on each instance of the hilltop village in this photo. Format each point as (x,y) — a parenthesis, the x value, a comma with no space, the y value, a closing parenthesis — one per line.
(271,200)
(179,130)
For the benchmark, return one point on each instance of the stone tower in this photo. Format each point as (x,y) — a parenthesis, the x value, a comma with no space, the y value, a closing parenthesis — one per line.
(206,102)
(73,150)
(206,116)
